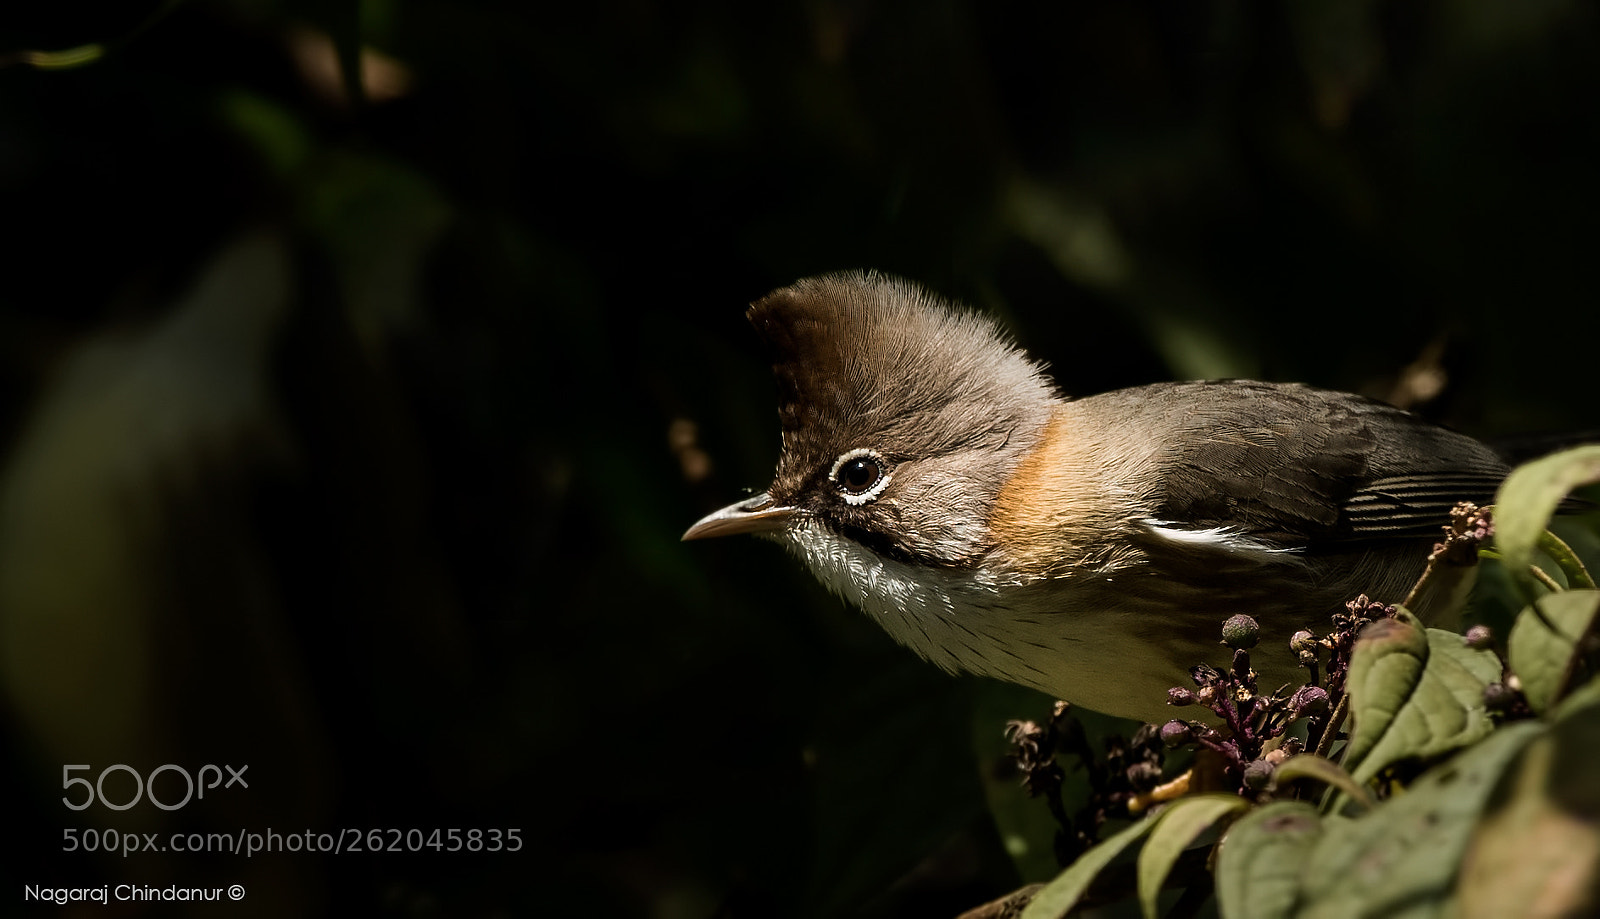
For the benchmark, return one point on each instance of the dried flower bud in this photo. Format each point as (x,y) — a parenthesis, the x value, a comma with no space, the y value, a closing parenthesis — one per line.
(1206,695)
(1303,642)
(1144,776)
(1478,638)
(1364,608)
(1258,775)
(1180,697)
(1240,633)
(1469,528)
(1023,731)
(1176,733)
(1241,666)
(1498,697)
(1147,739)
(1309,700)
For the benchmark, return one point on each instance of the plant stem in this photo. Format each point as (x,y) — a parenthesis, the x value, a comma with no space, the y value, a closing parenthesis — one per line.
(1577,575)
(1543,577)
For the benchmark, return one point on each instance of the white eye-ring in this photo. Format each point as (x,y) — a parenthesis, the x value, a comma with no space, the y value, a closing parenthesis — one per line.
(860,475)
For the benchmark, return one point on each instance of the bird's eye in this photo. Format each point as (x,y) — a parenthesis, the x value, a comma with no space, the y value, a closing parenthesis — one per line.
(860,475)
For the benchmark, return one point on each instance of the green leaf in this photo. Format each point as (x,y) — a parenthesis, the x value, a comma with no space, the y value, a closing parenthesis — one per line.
(1062,894)
(1402,858)
(1311,766)
(1527,499)
(1262,858)
(1414,693)
(1385,668)
(1176,828)
(1543,639)
(1537,851)
(1579,699)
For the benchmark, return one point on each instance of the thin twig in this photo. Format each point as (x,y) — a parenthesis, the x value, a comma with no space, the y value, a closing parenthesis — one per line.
(1335,722)
(1543,577)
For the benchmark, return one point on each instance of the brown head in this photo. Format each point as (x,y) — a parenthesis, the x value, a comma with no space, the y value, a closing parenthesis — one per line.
(902,419)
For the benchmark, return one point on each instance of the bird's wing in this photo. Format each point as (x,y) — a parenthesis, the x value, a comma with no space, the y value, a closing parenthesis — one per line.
(1296,466)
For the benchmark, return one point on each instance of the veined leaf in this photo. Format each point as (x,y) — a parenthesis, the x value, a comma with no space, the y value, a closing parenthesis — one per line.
(1527,499)
(1311,766)
(1414,693)
(1543,641)
(1176,828)
(1399,860)
(1263,857)
(1537,852)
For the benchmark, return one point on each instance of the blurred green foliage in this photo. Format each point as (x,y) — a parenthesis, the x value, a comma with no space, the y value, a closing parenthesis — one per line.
(350,434)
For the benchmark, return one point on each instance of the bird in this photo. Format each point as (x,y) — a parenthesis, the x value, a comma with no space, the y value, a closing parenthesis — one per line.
(932,474)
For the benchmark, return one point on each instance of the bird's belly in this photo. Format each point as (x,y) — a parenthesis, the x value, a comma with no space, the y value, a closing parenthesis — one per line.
(1113,641)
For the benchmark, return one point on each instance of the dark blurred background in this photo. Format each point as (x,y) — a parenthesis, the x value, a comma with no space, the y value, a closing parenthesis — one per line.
(349,431)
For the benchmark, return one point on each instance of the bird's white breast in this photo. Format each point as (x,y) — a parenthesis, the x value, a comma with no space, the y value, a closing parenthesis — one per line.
(990,624)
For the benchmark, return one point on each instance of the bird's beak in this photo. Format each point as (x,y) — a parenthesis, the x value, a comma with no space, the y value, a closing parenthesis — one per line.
(757,514)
